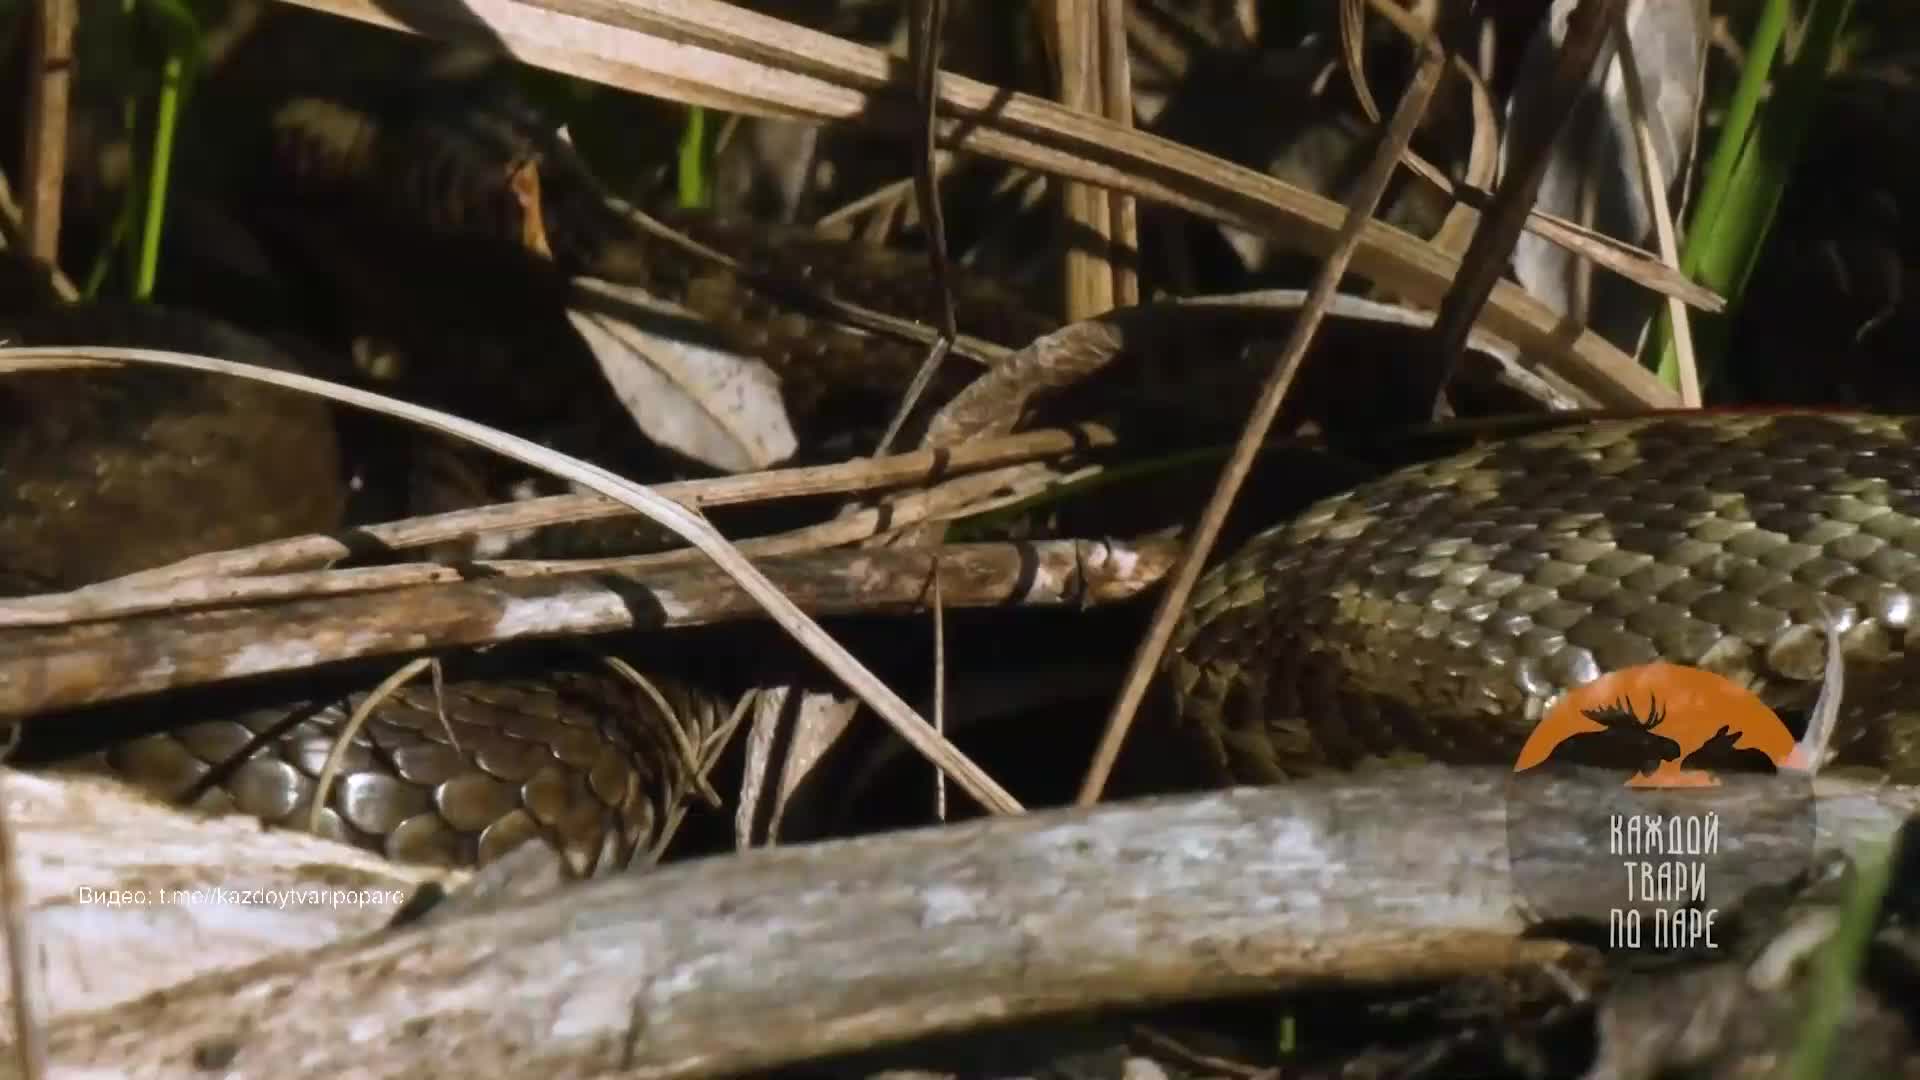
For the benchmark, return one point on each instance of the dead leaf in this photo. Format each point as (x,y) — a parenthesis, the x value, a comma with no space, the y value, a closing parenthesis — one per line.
(694,396)
(1594,175)
(820,719)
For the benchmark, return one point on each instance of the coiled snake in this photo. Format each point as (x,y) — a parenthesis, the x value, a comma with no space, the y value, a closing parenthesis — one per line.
(1433,613)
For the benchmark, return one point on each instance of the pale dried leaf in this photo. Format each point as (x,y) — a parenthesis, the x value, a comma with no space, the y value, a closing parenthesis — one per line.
(766,170)
(716,406)
(1594,176)
(819,721)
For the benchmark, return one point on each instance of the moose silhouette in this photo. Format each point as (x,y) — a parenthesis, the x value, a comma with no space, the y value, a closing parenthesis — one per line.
(1625,741)
(1719,754)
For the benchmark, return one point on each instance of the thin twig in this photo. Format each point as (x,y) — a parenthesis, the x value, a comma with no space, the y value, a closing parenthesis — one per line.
(924,29)
(1653,178)
(337,752)
(1085,207)
(440,705)
(1123,237)
(922,378)
(882,199)
(863,474)
(689,755)
(13,234)
(664,512)
(1372,186)
(1206,1063)
(939,693)
(708,757)
(964,496)
(979,351)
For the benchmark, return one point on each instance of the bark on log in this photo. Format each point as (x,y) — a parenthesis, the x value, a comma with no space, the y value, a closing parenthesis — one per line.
(738,963)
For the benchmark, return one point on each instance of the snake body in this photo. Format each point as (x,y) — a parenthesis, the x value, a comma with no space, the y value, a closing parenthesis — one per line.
(585,761)
(1438,611)
(1435,612)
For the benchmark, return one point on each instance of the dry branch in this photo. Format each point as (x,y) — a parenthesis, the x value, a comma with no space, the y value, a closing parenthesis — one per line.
(975,493)
(42,669)
(738,963)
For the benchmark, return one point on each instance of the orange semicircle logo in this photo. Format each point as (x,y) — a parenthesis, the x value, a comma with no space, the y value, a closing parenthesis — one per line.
(1666,725)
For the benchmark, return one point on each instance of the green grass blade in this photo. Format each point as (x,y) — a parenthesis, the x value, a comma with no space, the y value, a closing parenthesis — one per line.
(695,186)
(1837,968)
(1753,161)
(172,75)
(1736,131)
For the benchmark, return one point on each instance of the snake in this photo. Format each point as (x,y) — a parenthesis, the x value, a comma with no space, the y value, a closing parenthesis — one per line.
(1437,612)
(1433,613)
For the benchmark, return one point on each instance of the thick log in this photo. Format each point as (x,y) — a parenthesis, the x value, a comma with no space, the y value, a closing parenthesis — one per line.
(739,963)
(126,895)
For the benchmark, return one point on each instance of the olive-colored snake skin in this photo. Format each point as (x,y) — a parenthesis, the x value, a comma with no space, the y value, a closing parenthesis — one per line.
(1437,611)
